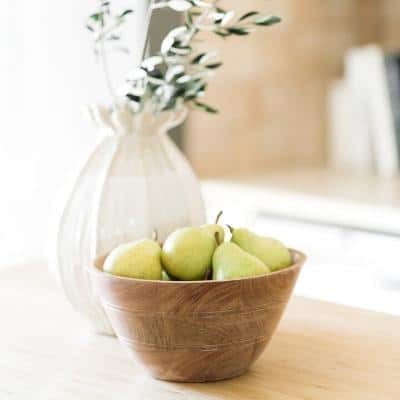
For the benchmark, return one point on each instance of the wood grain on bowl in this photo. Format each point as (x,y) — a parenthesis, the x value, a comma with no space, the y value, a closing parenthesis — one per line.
(196,331)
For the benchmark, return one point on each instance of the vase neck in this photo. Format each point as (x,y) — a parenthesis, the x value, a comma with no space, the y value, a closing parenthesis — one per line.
(121,121)
(148,124)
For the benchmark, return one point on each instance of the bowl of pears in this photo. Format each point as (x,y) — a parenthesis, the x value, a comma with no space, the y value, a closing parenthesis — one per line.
(203,305)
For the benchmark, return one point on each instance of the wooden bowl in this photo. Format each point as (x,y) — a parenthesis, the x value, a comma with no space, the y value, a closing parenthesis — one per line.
(196,331)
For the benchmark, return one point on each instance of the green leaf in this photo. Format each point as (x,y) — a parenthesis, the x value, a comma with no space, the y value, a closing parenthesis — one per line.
(96,16)
(179,5)
(202,87)
(178,45)
(201,4)
(113,37)
(174,72)
(227,18)
(184,79)
(189,18)
(150,63)
(126,12)
(205,107)
(190,97)
(136,74)
(248,15)
(179,92)
(132,97)
(238,31)
(213,65)
(198,58)
(196,87)
(180,50)
(156,73)
(219,20)
(222,33)
(268,20)
(166,44)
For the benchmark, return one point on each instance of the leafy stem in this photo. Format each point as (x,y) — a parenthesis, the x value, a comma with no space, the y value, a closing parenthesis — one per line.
(106,70)
(104,26)
(177,74)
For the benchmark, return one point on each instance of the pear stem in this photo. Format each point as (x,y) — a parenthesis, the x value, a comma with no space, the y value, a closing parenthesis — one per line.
(217,238)
(230,228)
(218,217)
(155,235)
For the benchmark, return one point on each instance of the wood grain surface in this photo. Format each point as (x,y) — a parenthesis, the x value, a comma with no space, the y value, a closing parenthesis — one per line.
(196,331)
(320,351)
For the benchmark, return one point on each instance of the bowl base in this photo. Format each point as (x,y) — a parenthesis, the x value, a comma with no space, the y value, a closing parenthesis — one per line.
(200,379)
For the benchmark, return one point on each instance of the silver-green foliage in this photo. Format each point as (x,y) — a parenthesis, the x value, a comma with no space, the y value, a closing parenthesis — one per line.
(177,74)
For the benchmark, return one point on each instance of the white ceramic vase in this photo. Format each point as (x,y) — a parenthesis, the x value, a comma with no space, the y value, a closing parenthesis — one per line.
(134,182)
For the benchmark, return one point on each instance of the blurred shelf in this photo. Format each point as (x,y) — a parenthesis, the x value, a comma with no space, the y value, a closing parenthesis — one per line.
(318,196)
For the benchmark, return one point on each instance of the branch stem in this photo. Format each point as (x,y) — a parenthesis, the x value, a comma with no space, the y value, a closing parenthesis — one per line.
(106,68)
(147,29)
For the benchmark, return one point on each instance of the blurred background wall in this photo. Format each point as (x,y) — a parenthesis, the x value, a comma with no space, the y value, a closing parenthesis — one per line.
(390,35)
(272,89)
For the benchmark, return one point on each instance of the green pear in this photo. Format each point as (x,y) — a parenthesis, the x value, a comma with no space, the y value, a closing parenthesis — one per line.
(270,251)
(215,230)
(231,262)
(187,253)
(165,276)
(140,260)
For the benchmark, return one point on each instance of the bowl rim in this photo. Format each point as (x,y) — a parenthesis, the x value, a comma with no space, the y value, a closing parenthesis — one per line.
(298,257)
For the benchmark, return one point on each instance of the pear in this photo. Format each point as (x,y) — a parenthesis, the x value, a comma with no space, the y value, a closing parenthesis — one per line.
(270,251)
(187,253)
(215,230)
(140,260)
(165,276)
(231,262)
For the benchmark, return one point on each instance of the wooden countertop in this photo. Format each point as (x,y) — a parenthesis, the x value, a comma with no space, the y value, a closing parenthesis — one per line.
(321,351)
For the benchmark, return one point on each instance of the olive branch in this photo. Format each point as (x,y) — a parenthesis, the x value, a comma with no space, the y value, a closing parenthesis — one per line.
(177,74)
